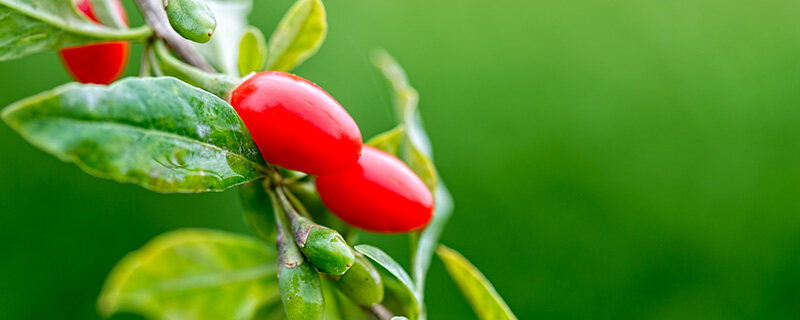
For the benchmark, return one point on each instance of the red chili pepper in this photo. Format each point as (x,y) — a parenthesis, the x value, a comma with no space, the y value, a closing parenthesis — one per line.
(296,124)
(379,193)
(99,63)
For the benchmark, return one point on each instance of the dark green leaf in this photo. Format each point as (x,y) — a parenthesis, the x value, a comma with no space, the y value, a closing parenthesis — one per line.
(298,36)
(30,26)
(193,274)
(388,264)
(252,51)
(160,133)
(485,301)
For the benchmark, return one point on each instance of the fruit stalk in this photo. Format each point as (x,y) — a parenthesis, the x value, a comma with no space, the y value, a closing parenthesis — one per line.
(324,247)
(299,284)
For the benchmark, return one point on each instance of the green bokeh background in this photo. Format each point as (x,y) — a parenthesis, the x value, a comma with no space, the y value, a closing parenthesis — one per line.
(621,159)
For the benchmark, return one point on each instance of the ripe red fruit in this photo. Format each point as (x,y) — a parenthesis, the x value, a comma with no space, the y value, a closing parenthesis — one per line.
(296,124)
(379,193)
(99,63)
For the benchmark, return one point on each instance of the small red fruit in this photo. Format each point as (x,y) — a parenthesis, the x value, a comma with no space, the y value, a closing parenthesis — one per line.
(296,124)
(379,193)
(99,63)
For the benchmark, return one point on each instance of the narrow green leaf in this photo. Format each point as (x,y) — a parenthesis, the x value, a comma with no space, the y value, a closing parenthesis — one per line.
(485,301)
(223,49)
(30,26)
(429,238)
(160,133)
(193,274)
(388,264)
(418,155)
(298,36)
(252,51)
(389,141)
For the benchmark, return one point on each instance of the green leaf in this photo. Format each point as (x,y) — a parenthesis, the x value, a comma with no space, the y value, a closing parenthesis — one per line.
(30,26)
(160,133)
(223,49)
(388,264)
(298,36)
(193,274)
(417,153)
(422,165)
(257,209)
(485,301)
(252,51)
(429,238)
(389,141)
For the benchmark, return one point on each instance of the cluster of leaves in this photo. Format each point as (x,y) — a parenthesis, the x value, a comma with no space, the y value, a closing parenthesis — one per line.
(179,135)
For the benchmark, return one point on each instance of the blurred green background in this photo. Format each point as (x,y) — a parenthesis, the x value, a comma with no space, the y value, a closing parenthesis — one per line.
(621,159)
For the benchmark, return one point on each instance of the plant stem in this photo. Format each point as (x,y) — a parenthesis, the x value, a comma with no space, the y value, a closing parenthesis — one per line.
(296,203)
(156,17)
(288,252)
(381,312)
(219,84)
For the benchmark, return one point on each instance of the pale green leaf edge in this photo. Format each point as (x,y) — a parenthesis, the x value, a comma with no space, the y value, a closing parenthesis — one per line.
(486,302)
(387,263)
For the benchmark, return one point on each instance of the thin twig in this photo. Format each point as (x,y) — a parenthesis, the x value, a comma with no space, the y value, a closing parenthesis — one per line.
(156,17)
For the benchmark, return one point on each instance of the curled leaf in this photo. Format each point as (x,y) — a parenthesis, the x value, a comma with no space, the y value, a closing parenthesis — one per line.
(252,51)
(389,141)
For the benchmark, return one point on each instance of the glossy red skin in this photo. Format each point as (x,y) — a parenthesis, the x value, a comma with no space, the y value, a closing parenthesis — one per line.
(99,63)
(379,193)
(296,124)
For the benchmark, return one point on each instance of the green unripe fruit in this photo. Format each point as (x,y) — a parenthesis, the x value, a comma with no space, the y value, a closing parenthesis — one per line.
(362,283)
(192,19)
(326,249)
(301,292)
